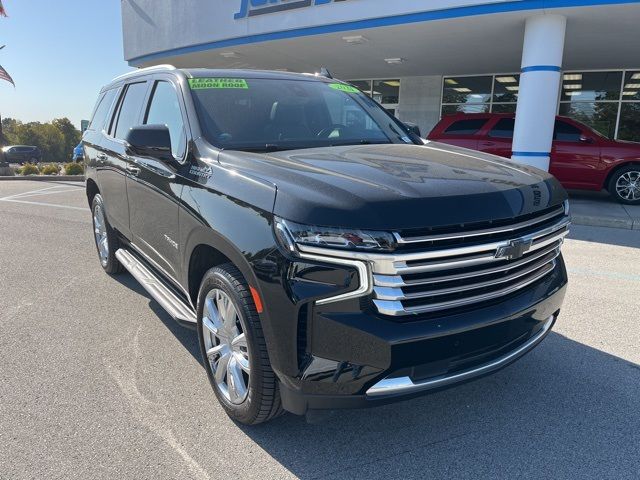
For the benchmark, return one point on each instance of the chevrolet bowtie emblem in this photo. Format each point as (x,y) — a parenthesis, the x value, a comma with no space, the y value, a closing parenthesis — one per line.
(515,249)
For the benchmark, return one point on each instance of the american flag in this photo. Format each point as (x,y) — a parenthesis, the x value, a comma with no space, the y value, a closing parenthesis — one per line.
(3,13)
(5,76)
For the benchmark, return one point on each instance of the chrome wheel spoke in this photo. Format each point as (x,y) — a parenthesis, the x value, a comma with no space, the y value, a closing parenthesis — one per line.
(226,347)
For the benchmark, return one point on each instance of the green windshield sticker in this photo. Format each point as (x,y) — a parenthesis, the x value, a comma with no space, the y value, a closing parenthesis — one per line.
(344,88)
(206,83)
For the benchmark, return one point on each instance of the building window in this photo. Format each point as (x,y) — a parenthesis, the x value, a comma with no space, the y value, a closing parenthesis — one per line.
(385,92)
(608,102)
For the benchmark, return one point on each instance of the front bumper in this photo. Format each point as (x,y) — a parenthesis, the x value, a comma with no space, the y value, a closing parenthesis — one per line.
(360,359)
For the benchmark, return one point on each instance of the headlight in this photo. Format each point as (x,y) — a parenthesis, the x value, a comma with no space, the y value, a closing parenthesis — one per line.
(566,207)
(291,233)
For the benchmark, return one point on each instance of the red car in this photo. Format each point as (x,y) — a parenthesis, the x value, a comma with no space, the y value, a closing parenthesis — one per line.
(581,158)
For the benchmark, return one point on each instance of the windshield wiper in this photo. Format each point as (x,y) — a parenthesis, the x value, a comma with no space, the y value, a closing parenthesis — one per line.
(360,142)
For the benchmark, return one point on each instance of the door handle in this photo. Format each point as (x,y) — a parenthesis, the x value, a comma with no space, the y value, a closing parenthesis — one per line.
(133,170)
(488,144)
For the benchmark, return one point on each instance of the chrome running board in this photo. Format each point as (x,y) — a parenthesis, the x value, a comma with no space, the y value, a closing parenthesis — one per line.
(400,385)
(162,294)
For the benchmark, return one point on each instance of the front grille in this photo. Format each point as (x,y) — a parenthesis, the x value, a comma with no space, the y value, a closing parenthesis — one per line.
(451,269)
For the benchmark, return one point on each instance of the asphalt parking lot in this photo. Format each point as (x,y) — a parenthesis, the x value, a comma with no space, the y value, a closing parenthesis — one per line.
(96,381)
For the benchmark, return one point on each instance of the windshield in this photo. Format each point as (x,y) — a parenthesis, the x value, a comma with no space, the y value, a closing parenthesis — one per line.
(257,114)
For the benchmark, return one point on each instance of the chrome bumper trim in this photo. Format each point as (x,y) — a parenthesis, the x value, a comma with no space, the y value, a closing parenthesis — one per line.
(404,385)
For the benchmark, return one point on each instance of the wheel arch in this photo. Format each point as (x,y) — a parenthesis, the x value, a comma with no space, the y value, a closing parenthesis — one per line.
(616,169)
(92,190)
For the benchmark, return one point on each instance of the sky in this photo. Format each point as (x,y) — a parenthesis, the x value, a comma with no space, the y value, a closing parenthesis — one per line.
(59,53)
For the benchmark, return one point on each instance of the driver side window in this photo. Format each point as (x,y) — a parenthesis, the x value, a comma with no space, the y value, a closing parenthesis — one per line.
(164,109)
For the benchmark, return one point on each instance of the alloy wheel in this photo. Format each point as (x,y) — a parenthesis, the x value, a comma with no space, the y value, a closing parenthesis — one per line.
(100,231)
(226,346)
(628,185)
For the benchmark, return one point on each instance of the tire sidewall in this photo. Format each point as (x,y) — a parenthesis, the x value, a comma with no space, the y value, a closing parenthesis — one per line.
(614,179)
(247,410)
(112,265)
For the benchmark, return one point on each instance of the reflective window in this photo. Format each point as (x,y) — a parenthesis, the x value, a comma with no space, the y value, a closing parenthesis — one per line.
(130,109)
(629,128)
(467,89)
(565,132)
(504,108)
(601,116)
(631,88)
(503,128)
(465,108)
(164,109)
(364,85)
(591,86)
(102,110)
(465,127)
(386,91)
(505,88)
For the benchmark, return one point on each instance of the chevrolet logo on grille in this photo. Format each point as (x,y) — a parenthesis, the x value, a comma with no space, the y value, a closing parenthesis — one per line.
(514,250)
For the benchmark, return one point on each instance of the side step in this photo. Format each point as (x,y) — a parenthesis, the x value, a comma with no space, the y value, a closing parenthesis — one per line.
(162,294)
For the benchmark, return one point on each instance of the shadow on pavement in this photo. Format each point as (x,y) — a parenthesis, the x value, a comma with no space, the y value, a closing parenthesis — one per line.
(187,337)
(564,411)
(611,236)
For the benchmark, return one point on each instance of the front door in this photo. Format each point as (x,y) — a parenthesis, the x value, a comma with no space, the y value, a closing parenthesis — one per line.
(499,140)
(154,186)
(575,156)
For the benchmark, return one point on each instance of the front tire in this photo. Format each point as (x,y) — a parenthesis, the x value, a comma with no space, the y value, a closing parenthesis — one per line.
(233,347)
(105,237)
(624,185)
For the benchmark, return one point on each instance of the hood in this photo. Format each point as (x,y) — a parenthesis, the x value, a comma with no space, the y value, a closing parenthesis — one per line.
(398,186)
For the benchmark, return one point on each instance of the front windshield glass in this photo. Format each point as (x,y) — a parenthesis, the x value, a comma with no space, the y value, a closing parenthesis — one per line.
(257,114)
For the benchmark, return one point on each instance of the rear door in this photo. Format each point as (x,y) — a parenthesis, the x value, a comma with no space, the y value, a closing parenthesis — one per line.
(463,132)
(116,163)
(155,186)
(499,138)
(575,156)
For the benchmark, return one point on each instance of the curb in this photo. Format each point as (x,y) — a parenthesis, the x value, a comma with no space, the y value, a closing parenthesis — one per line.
(608,222)
(46,178)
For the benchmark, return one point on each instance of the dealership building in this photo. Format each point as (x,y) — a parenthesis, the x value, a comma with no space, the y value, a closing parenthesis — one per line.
(423,59)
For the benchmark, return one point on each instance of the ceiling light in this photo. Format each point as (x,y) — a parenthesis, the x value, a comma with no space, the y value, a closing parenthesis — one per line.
(355,39)
(392,83)
(395,61)
(632,85)
(572,76)
(450,81)
(635,76)
(513,88)
(632,92)
(462,89)
(575,92)
(573,86)
(506,79)
(230,54)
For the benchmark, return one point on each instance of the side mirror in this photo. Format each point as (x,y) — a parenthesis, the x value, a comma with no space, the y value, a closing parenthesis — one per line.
(585,139)
(150,141)
(413,128)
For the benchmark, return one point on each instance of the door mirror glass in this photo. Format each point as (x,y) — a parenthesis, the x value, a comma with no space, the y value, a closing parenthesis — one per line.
(152,141)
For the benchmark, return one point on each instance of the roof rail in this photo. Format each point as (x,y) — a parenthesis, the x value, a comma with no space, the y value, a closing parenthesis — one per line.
(147,69)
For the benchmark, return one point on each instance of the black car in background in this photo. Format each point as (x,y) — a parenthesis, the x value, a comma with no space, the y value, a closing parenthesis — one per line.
(21,154)
(327,257)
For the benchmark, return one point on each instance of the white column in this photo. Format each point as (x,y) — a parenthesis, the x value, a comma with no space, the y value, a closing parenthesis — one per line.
(539,88)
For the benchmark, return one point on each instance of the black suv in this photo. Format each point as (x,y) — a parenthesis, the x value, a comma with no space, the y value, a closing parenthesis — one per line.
(325,255)
(21,154)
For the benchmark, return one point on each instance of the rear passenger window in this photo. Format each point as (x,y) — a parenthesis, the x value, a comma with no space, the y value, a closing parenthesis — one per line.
(565,132)
(503,129)
(130,108)
(465,127)
(102,110)
(164,109)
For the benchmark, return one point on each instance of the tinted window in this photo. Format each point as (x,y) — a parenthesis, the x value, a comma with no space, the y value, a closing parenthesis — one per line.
(465,127)
(130,109)
(102,110)
(566,133)
(503,129)
(164,109)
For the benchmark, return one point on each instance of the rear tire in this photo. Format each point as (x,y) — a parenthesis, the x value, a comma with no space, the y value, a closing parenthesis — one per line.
(105,237)
(234,351)
(624,185)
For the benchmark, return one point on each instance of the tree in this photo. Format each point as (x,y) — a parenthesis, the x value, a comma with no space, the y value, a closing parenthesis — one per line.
(56,140)
(70,133)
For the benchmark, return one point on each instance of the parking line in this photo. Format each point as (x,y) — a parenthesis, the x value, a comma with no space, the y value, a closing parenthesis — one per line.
(29,192)
(50,192)
(42,204)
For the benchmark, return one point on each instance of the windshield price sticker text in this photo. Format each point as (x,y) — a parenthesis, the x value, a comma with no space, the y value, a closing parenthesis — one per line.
(208,83)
